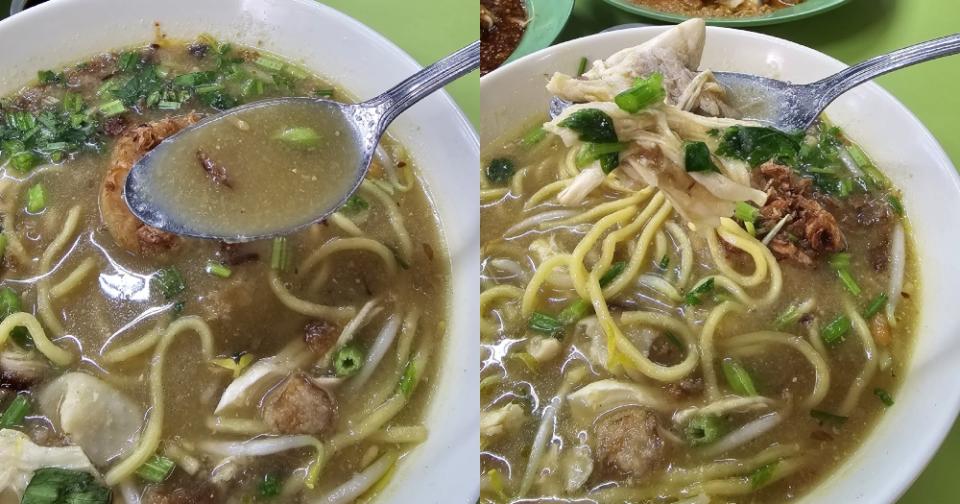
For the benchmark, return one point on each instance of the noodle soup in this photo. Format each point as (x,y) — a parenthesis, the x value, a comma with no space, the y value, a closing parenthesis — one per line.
(678,306)
(139,366)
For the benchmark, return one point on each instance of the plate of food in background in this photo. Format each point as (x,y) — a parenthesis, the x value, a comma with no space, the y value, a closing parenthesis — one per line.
(510,29)
(728,12)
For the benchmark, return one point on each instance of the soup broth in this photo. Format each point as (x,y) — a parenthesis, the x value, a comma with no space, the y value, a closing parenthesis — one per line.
(638,347)
(180,370)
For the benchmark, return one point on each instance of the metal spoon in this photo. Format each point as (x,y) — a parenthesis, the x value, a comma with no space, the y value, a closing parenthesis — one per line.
(795,107)
(368,120)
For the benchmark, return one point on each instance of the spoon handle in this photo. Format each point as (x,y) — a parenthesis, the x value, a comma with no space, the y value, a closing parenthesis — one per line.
(426,81)
(830,88)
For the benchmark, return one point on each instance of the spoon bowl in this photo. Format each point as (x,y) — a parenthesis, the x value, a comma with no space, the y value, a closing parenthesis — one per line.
(324,160)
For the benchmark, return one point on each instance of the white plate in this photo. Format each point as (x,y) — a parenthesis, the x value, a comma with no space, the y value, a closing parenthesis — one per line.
(927,403)
(444,145)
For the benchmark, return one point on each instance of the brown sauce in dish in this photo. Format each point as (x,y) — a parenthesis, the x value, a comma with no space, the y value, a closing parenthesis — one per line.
(712,8)
(502,23)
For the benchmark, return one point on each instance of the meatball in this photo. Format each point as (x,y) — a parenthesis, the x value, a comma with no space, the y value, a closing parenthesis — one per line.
(299,406)
(627,443)
(320,336)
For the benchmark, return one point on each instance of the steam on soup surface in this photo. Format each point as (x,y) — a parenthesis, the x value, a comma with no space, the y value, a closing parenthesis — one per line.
(677,306)
(147,367)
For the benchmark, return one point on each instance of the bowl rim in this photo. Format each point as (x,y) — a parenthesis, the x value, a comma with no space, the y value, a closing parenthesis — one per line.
(936,427)
(450,375)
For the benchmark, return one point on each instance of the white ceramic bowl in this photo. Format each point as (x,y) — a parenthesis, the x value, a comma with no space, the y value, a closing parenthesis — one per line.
(910,432)
(444,145)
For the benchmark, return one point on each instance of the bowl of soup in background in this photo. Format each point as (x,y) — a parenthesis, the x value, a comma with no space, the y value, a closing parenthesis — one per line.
(908,433)
(336,47)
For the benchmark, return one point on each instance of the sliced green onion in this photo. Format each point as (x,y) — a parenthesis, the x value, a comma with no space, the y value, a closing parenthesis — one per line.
(15,412)
(836,331)
(696,156)
(218,269)
(877,304)
(269,63)
(36,199)
(895,204)
(841,263)
(170,281)
(354,205)
(408,381)
(324,93)
(746,212)
(590,152)
(500,170)
(884,396)
(168,105)
(52,485)
(695,296)
(533,136)
(279,256)
(761,475)
(703,430)
(295,72)
(72,102)
(751,228)
(156,469)
(574,311)
(582,67)
(301,138)
(591,125)
(24,161)
(112,108)
(612,273)
(738,378)
(543,323)
(3,245)
(645,92)
(348,360)
(825,417)
(208,88)
(664,262)
(270,486)
(790,316)
(9,302)
(48,77)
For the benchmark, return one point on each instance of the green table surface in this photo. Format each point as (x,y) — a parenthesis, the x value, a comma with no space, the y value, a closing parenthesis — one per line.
(853,33)
(428,30)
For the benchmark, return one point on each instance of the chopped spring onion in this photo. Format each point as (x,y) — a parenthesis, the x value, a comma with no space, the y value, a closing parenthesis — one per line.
(534,136)
(884,396)
(218,269)
(695,296)
(15,412)
(612,273)
(354,205)
(251,87)
(156,469)
(751,228)
(54,485)
(664,262)
(543,323)
(269,486)
(168,105)
(696,156)
(761,475)
(895,204)
(269,63)
(408,380)
(645,92)
(878,303)
(738,378)
(703,429)
(348,360)
(295,72)
(36,199)
(112,108)
(746,212)
(591,125)
(9,302)
(582,67)
(790,316)
(590,152)
(574,311)
(841,263)
(500,170)
(495,481)
(128,60)
(301,138)
(24,161)
(208,88)
(48,77)
(323,93)
(3,245)
(836,331)
(170,281)
(236,363)
(825,417)
(280,256)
